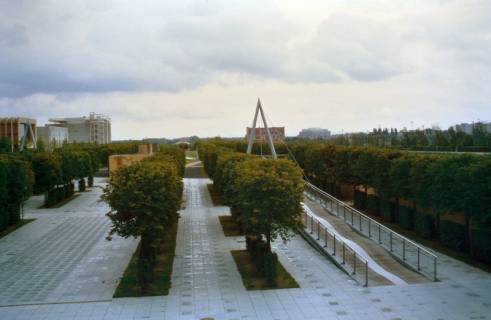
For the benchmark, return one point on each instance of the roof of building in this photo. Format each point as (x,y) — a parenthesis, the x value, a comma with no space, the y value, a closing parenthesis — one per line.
(20,119)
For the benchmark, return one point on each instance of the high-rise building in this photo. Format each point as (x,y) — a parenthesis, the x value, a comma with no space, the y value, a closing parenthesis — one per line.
(277,133)
(96,128)
(314,133)
(22,132)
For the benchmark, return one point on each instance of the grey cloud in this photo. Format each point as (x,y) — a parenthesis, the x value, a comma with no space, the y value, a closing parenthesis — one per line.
(104,46)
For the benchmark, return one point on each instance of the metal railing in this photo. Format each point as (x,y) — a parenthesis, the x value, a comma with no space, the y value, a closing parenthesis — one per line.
(340,251)
(410,253)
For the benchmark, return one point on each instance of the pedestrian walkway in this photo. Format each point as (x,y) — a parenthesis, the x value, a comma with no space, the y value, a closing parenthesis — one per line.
(207,285)
(63,256)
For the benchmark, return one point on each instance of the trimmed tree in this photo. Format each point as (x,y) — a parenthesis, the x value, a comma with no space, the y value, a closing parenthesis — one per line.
(270,195)
(144,198)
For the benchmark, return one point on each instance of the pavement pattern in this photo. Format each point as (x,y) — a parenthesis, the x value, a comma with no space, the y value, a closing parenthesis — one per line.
(63,255)
(207,285)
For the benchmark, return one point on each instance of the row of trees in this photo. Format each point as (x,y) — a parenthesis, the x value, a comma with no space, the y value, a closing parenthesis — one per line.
(264,196)
(145,198)
(16,180)
(434,185)
(56,170)
(52,172)
(421,139)
(427,193)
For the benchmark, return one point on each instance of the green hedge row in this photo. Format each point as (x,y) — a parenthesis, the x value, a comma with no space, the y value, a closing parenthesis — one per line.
(481,243)
(440,182)
(15,187)
(452,235)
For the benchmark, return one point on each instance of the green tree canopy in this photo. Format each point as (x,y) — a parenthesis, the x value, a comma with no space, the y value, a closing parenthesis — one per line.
(270,193)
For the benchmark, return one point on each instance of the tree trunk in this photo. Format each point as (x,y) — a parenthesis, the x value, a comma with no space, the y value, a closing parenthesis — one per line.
(144,264)
(396,210)
(467,232)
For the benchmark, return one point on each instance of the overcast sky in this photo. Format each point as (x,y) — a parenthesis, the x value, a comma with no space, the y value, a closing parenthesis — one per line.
(179,68)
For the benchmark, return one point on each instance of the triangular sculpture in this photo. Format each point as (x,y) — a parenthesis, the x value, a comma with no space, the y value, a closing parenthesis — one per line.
(252,135)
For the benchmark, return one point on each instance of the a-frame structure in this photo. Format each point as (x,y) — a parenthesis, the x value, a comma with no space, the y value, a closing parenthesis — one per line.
(28,132)
(259,109)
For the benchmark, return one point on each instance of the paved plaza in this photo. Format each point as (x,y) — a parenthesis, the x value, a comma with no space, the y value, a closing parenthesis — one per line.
(63,257)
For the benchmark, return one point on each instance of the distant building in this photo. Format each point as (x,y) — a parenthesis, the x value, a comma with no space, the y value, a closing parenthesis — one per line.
(469,127)
(315,133)
(95,129)
(277,133)
(464,127)
(54,136)
(22,132)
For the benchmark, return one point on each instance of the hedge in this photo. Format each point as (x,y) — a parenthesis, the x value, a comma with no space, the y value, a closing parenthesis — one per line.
(387,210)
(424,224)
(373,204)
(16,181)
(452,235)
(440,182)
(360,200)
(406,217)
(481,243)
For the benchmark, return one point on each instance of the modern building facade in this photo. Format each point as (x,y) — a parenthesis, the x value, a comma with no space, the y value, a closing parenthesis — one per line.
(53,136)
(277,133)
(96,128)
(315,133)
(22,132)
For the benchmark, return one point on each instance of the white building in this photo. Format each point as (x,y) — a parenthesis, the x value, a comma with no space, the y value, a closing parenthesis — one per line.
(314,133)
(96,128)
(53,135)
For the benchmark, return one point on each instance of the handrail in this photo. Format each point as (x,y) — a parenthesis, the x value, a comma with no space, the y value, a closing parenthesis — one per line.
(405,241)
(343,261)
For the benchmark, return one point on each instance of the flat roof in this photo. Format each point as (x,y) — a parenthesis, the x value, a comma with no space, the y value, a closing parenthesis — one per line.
(20,119)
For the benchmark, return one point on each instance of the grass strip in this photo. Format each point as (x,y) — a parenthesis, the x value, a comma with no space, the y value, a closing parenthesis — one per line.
(215,196)
(230,226)
(61,203)
(129,286)
(15,227)
(252,280)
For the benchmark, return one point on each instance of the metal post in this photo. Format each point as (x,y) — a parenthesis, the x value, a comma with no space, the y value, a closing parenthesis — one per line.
(419,265)
(379,237)
(391,241)
(344,254)
(334,240)
(318,229)
(354,262)
(360,222)
(311,224)
(325,237)
(403,249)
(369,229)
(434,268)
(344,215)
(366,273)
